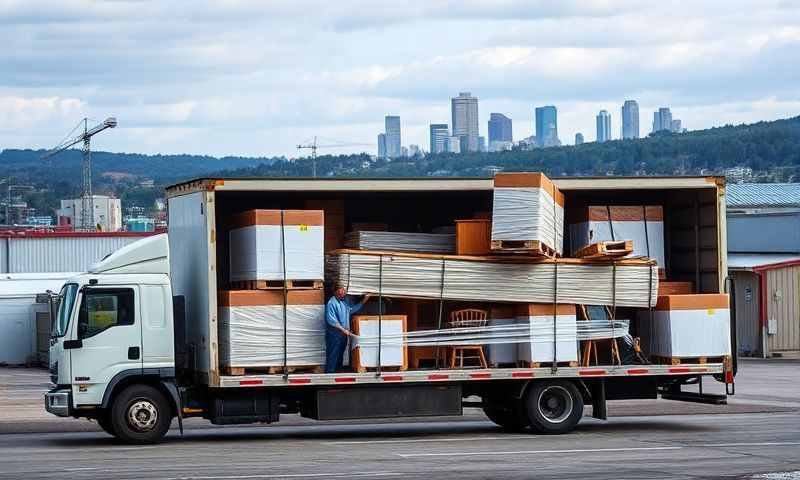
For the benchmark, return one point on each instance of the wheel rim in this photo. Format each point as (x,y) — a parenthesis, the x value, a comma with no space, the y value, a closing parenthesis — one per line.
(555,404)
(142,415)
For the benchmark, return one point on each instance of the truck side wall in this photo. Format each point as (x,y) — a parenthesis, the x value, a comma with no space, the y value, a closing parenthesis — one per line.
(192,263)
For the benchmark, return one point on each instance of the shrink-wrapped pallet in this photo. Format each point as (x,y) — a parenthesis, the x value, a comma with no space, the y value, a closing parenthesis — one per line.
(256,239)
(401,241)
(251,332)
(527,207)
(644,224)
(502,353)
(539,316)
(369,337)
(687,326)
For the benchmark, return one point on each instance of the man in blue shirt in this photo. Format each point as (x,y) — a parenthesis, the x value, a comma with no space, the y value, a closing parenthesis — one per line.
(337,327)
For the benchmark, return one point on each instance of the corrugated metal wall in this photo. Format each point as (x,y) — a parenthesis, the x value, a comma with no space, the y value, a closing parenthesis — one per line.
(748,328)
(783,307)
(56,254)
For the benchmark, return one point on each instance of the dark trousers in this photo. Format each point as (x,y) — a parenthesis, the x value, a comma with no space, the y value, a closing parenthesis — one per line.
(335,343)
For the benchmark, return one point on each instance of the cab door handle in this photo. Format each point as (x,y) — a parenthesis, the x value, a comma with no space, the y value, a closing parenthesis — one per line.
(133,353)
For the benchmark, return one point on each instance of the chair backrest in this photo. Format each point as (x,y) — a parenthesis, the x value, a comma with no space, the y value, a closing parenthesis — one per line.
(468,317)
(597,312)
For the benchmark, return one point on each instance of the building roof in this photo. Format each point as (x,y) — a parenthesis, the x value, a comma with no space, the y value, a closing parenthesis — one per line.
(760,195)
(760,261)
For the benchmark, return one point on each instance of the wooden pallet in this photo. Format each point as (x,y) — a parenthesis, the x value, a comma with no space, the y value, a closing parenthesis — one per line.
(659,360)
(527,364)
(276,284)
(240,371)
(608,249)
(527,247)
(397,368)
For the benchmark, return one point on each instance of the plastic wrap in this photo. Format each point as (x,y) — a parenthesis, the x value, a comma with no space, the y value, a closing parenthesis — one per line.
(527,213)
(402,241)
(255,252)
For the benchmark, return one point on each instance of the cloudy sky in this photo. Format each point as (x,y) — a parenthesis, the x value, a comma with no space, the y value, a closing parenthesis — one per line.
(241,77)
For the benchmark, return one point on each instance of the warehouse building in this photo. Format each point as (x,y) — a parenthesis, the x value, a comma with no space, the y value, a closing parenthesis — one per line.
(764,264)
(32,263)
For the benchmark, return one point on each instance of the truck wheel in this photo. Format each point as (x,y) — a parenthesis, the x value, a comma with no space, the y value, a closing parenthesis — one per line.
(140,414)
(553,407)
(104,422)
(506,416)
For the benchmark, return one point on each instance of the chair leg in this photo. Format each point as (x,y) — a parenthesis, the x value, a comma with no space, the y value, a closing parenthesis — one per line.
(483,358)
(453,358)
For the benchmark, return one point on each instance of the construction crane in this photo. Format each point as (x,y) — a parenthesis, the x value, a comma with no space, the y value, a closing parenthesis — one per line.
(313,146)
(87,201)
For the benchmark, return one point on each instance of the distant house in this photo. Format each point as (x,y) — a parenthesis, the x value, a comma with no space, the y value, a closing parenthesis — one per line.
(764,265)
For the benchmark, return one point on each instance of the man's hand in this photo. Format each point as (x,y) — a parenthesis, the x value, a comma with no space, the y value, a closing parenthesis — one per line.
(366,298)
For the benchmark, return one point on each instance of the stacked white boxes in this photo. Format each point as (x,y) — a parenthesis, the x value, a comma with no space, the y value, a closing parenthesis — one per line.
(251,328)
(644,224)
(540,318)
(527,206)
(502,353)
(687,326)
(257,239)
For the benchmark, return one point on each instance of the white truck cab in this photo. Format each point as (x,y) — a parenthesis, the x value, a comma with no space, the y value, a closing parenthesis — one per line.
(114,325)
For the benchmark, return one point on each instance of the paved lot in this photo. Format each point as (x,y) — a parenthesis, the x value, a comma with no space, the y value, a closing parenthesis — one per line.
(758,432)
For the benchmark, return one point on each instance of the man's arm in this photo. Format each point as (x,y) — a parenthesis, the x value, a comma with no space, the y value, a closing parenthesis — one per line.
(358,306)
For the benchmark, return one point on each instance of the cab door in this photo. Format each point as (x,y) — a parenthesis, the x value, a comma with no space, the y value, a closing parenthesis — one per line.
(107,340)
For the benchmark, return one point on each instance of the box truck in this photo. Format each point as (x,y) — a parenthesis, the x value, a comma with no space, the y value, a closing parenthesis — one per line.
(135,341)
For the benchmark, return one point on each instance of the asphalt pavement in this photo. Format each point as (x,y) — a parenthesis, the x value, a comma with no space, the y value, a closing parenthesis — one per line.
(756,436)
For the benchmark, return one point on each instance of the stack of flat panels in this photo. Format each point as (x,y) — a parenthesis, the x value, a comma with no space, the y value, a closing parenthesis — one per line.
(527,207)
(501,353)
(644,224)
(251,328)
(540,347)
(401,241)
(688,326)
(392,348)
(256,245)
(627,282)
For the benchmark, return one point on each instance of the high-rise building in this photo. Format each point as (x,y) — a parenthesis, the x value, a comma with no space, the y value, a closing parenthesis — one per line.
(381,145)
(453,144)
(414,151)
(675,126)
(393,144)
(464,110)
(547,126)
(481,143)
(499,128)
(403,152)
(603,126)
(439,134)
(630,119)
(662,120)
(578,138)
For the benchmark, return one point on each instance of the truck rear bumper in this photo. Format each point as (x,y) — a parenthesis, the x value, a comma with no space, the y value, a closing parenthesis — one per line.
(58,402)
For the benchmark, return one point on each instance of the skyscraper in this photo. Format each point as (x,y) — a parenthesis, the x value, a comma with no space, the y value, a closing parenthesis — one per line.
(630,119)
(578,138)
(675,125)
(603,126)
(464,109)
(439,134)
(547,126)
(393,143)
(662,119)
(499,128)
(381,145)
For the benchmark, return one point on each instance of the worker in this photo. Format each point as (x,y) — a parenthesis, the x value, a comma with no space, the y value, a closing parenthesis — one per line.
(337,327)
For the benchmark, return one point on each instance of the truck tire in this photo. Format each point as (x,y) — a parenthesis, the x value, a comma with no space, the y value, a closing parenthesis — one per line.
(104,421)
(553,407)
(140,414)
(506,416)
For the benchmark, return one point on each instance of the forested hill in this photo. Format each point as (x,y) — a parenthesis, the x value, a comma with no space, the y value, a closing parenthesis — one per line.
(771,149)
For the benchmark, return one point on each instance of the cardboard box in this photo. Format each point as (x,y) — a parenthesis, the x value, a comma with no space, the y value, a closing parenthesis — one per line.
(393,348)
(256,245)
(687,326)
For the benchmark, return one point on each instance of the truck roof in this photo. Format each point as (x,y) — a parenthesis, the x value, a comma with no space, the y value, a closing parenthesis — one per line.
(352,184)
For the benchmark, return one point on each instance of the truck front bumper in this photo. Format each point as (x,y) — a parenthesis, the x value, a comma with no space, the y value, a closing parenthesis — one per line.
(58,402)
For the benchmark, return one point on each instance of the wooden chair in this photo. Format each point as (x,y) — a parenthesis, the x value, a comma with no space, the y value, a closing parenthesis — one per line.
(467,318)
(597,312)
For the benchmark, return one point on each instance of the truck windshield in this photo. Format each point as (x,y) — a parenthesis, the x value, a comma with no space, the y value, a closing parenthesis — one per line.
(66,299)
